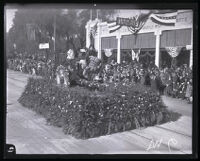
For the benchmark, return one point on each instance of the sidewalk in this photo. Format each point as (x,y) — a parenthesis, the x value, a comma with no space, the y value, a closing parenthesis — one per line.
(30,133)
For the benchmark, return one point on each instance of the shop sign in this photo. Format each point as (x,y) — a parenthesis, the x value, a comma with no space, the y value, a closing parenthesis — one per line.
(44,46)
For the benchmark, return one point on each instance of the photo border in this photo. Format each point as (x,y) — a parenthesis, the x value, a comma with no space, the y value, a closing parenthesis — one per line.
(142,4)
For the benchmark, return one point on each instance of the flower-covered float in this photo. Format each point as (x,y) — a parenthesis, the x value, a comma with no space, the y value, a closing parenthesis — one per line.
(94,107)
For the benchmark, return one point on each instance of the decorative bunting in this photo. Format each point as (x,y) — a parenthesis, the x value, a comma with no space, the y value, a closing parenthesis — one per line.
(173,51)
(139,23)
(164,19)
(108,52)
(135,56)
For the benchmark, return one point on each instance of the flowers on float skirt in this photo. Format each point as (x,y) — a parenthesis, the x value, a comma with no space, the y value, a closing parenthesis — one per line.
(76,107)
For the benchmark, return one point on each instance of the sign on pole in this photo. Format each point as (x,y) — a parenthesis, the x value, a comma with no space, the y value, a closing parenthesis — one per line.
(44,46)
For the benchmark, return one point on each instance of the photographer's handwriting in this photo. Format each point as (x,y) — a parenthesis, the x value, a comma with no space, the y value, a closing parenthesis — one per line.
(156,144)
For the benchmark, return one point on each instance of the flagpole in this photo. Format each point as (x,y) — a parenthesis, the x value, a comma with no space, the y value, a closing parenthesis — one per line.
(54,42)
(91,14)
(54,34)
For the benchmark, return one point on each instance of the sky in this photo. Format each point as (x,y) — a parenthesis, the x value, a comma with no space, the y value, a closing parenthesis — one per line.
(10,13)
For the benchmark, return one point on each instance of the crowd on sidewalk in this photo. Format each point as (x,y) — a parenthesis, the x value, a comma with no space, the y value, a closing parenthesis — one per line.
(174,81)
(30,66)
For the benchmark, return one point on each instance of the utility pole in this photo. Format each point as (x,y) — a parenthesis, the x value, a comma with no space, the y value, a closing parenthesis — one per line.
(54,42)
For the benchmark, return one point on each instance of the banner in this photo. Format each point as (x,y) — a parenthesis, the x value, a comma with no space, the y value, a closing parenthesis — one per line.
(108,52)
(173,51)
(164,19)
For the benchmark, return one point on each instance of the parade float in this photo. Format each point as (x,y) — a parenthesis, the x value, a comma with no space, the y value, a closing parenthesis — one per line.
(92,108)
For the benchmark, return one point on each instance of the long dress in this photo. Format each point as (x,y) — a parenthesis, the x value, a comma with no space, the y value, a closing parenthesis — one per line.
(160,86)
(168,83)
(153,83)
(147,79)
(188,90)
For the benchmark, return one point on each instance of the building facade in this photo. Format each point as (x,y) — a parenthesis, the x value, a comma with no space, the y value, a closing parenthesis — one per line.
(152,39)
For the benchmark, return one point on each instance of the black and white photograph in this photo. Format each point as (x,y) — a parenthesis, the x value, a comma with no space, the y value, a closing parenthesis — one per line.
(95,80)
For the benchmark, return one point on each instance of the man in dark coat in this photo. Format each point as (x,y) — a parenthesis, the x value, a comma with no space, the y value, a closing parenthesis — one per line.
(147,78)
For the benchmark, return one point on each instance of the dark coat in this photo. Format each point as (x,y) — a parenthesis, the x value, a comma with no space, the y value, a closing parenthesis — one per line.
(147,80)
(153,84)
(159,84)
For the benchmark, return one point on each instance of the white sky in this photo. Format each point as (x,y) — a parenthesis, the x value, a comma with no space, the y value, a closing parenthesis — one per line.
(10,13)
(129,13)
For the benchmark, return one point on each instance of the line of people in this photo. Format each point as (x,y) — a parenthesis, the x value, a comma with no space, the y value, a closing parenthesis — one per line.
(30,66)
(174,82)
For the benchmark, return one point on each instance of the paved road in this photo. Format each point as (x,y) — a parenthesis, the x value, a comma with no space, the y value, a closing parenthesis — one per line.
(31,134)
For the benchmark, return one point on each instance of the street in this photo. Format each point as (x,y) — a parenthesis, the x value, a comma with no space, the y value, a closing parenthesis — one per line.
(31,134)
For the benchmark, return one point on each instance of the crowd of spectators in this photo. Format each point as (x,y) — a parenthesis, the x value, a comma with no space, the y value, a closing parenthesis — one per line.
(174,82)
(31,66)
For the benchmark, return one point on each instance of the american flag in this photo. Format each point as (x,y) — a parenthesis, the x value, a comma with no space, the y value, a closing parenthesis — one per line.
(93,30)
(141,20)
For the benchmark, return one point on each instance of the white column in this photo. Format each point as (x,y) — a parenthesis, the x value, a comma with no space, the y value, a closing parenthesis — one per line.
(118,49)
(191,50)
(157,53)
(99,40)
(191,58)
(87,27)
